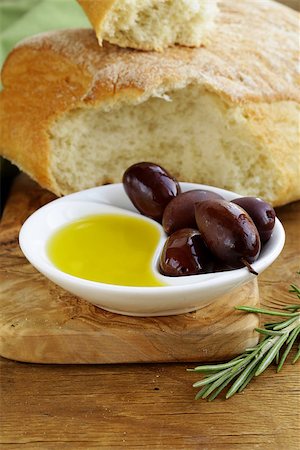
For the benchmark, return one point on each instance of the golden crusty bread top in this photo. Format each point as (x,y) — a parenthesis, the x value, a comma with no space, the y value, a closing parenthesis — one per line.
(252,55)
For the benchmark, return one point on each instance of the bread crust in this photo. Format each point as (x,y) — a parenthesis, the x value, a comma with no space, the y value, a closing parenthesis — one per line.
(96,11)
(250,60)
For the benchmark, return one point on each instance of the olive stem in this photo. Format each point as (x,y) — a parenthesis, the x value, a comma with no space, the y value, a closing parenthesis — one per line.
(249,267)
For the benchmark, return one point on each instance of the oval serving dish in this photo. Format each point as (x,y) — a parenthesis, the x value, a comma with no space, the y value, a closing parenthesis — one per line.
(178,295)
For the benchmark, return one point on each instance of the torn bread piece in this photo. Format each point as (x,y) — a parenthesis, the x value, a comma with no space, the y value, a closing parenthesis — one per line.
(151,24)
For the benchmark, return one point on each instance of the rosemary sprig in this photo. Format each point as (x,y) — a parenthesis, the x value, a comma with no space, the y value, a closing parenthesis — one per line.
(238,372)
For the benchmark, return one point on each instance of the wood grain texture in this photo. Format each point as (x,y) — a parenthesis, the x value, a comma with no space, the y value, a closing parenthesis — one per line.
(143,407)
(152,406)
(41,322)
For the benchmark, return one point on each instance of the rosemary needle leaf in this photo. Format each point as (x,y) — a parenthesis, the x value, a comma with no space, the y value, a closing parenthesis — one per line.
(295,290)
(286,323)
(270,326)
(220,388)
(271,354)
(247,381)
(241,379)
(290,342)
(269,332)
(202,392)
(293,308)
(256,348)
(215,367)
(265,311)
(224,379)
(297,355)
(208,380)
(296,331)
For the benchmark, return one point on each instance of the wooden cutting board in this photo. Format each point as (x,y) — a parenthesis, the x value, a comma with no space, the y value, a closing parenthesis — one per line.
(42,323)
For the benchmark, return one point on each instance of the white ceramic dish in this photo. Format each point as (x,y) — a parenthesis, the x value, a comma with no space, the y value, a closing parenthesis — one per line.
(179,295)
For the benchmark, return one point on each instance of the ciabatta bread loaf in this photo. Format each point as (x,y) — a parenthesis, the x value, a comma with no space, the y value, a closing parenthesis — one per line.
(151,24)
(74,115)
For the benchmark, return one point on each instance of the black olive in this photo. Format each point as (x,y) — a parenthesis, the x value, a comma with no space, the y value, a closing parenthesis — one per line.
(180,212)
(262,214)
(184,254)
(229,232)
(150,188)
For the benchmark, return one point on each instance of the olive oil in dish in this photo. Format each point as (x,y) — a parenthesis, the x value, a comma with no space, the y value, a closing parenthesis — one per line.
(107,248)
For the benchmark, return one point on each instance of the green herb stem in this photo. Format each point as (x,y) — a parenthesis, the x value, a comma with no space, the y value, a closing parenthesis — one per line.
(255,360)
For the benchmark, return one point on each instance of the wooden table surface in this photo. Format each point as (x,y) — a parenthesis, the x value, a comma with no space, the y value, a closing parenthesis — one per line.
(152,406)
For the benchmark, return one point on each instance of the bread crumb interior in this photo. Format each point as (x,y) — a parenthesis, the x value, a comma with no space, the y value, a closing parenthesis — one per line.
(158,23)
(194,133)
